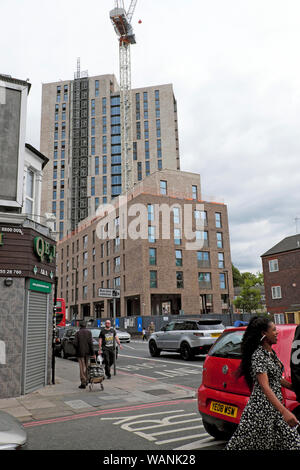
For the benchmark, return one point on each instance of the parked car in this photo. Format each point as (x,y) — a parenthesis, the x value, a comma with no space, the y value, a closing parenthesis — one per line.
(67,343)
(221,396)
(123,336)
(12,434)
(188,337)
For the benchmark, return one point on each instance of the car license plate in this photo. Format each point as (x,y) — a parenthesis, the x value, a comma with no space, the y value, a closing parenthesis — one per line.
(215,335)
(224,409)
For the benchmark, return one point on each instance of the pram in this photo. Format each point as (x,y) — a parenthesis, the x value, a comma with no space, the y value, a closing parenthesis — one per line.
(95,373)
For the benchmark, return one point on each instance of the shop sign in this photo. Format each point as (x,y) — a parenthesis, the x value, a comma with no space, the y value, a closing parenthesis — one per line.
(44,250)
(40,286)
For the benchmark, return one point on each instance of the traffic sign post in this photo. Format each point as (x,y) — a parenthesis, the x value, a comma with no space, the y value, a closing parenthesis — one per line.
(112,294)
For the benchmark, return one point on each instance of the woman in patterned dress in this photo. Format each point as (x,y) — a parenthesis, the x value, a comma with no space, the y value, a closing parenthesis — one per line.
(265,423)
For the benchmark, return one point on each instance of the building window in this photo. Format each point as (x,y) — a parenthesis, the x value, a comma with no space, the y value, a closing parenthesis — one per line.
(221,263)
(29,192)
(153,279)
(117,283)
(219,240)
(134,150)
(176,215)
(273,265)
(85,242)
(96,87)
(117,264)
(158,130)
(150,212)
(151,234)
(203,236)
(85,257)
(203,259)
(84,292)
(276,292)
(177,236)
(201,217)
(178,257)
(146,129)
(179,279)
(93,108)
(159,164)
(96,165)
(222,281)
(163,187)
(152,256)
(195,192)
(147,168)
(92,186)
(204,280)
(138,130)
(85,275)
(117,244)
(139,171)
(104,105)
(218,220)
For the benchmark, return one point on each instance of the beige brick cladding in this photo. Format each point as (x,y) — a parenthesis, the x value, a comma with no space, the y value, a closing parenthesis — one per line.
(133,268)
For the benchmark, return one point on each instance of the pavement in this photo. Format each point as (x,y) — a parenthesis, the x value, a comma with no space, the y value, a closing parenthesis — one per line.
(64,398)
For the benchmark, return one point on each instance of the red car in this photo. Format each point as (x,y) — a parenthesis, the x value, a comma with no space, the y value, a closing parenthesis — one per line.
(222,397)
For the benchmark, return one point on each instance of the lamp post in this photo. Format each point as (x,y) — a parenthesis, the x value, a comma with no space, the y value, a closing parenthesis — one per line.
(76,294)
(228,302)
(54,330)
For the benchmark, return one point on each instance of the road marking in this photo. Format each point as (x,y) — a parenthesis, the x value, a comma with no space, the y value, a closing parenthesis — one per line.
(207,442)
(92,414)
(184,438)
(156,422)
(160,360)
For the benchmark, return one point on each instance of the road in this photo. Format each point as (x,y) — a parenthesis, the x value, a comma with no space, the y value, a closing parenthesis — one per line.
(168,367)
(172,425)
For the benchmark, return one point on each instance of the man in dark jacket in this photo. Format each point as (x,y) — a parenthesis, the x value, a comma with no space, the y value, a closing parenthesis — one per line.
(295,363)
(83,343)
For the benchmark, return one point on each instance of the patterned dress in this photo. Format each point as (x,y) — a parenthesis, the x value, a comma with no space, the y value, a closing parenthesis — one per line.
(262,427)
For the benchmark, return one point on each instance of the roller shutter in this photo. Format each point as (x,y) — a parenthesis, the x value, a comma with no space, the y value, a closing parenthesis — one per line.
(36,341)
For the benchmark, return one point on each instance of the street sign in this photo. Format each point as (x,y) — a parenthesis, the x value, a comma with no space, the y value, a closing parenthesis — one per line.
(109,293)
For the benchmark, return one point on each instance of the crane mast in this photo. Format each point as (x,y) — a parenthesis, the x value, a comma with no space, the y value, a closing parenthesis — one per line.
(122,25)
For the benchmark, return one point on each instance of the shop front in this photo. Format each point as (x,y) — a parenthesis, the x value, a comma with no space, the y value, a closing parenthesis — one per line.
(27,274)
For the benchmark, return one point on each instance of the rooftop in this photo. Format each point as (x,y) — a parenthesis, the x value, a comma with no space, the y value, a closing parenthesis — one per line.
(287,244)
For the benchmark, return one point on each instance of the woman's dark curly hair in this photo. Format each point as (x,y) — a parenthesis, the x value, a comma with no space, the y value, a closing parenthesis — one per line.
(250,342)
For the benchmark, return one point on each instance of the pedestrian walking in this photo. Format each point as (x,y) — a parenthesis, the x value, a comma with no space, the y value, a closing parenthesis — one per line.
(265,423)
(83,343)
(106,346)
(151,328)
(144,334)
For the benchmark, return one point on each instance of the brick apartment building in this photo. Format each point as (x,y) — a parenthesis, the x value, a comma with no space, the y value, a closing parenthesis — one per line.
(281,268)
(81,135)
(155,275)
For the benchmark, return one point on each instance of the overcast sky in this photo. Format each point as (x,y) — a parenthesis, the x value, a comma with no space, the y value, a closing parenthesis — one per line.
(235,68)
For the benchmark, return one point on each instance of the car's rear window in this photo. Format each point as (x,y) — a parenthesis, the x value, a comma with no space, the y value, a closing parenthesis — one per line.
(228,345)
(210,325)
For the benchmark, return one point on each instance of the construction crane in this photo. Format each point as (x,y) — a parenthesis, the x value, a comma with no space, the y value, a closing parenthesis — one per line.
(121,21)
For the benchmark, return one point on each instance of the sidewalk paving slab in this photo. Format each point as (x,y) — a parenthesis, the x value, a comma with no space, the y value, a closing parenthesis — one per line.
(65,399)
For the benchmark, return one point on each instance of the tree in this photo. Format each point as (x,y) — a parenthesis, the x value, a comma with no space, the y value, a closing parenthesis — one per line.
(237,277)
(249,298)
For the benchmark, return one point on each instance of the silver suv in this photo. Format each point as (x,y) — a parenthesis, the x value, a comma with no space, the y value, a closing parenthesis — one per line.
(189,337)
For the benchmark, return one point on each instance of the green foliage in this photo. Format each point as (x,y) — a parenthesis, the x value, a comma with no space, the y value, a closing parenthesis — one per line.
(249,299)
(240,278)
